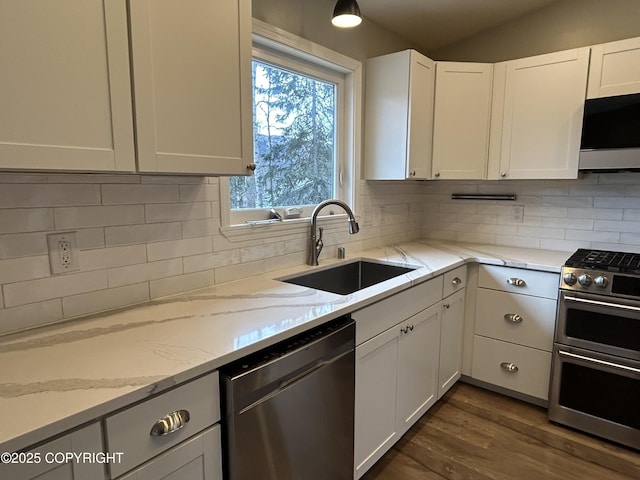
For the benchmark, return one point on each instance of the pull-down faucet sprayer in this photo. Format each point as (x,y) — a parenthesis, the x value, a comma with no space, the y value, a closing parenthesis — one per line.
(315,245)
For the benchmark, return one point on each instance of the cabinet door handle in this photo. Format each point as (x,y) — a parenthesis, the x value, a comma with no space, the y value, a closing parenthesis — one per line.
(171,422)
(456,281)
(251,167)
(513,318)
(509,367)
(516,282)
(446,305)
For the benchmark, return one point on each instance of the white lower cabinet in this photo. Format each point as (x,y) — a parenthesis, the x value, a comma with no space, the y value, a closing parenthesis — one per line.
(400,362)
(418,354)
(451,338)
(396,383)
(375,409)
(163,425)
(515,367)
(47,462)
(199,458)
(514,325)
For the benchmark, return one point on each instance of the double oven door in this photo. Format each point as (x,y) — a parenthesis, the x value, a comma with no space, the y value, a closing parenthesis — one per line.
(595,383)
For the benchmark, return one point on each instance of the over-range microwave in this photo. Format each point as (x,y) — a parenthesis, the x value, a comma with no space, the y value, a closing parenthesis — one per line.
(611,134)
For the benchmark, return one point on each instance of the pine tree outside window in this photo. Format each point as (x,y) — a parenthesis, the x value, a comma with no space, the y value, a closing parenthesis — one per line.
(297,117)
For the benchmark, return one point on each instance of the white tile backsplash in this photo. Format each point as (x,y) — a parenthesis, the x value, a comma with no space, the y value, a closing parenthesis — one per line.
(143,272)
(32,291)
(25,220)
(105,299)
(595,210)
(144,237)
(37,195)
(83,217)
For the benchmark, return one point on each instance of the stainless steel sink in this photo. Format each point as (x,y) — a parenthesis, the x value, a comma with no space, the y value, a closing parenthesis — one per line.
(349,277)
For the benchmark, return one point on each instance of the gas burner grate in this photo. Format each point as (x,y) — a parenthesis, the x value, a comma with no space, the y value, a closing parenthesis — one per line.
(603,260)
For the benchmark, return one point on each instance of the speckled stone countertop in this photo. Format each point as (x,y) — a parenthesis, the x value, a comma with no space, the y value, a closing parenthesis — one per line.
(55,378)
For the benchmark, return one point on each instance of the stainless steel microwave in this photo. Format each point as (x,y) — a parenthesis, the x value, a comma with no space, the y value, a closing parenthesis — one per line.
(611,134)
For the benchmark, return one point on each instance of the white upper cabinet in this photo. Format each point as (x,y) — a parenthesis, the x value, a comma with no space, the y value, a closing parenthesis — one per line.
(65,101)
(399,116)
(614,69)
(537,116)
(462,115)
(192,85)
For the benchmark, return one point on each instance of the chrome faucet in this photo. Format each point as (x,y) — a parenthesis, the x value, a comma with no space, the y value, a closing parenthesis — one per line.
(316,244)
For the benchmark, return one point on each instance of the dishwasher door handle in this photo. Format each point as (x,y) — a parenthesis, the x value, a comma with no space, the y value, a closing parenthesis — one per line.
(286,382)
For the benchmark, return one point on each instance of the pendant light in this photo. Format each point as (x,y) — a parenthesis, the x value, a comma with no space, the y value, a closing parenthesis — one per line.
(346,14)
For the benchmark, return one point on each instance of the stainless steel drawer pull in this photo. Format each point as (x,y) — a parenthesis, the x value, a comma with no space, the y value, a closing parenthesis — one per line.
(509,367)
(516,282)
(456,281)
(513,318)
(170,423)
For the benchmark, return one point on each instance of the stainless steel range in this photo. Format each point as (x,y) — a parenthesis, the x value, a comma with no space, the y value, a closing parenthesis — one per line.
(595,385)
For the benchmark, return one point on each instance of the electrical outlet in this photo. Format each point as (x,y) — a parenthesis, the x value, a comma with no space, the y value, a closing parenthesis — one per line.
(63,252)
(517,214)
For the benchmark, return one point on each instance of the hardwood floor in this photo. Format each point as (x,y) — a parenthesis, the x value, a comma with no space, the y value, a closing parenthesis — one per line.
(472,434)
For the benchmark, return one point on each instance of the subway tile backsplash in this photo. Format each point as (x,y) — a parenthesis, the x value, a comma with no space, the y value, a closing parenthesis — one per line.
(142,237)
(595,211)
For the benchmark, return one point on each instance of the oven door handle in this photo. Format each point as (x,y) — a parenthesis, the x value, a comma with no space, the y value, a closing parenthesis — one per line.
(599,362)
(599,303)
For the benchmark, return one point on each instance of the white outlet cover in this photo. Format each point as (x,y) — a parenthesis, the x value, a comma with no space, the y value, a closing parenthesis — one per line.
(63,262)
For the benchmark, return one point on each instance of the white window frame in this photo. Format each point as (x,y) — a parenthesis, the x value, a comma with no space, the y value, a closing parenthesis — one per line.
(267,38)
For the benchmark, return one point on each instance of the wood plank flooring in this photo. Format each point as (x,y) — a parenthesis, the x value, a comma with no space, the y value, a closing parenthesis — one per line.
(472,433)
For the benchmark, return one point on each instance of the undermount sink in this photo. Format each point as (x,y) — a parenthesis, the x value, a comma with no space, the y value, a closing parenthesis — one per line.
(349,277)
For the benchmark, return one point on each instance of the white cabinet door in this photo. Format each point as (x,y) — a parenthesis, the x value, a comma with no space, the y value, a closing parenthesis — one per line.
(462,114)
(614,69)
(65,101)
(375,409)
(399,116)
(418,357)
(541,119)
(192,85)
(51,465)
(199,458)
(451,339)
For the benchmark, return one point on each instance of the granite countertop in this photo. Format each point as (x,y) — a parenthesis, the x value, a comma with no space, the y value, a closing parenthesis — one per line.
(58,377)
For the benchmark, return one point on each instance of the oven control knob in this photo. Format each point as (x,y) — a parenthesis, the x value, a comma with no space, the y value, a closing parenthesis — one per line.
(601,281)
(569,278)
(585,280)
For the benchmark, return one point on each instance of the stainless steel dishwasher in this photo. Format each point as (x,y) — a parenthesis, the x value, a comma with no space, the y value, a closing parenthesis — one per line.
(289,409)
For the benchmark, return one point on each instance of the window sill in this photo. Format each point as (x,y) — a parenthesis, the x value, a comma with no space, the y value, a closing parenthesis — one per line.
(270,229)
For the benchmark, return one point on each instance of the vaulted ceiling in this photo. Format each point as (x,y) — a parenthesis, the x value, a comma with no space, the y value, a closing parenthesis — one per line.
(432,24)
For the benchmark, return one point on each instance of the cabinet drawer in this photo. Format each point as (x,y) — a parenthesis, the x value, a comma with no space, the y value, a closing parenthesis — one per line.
(454,281)
(376,318)
(130,430)
(520,319)
(199,458)
(490,360)
(540,284)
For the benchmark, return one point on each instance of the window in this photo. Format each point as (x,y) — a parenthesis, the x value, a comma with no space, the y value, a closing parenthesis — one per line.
(305,132)
(294,137)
